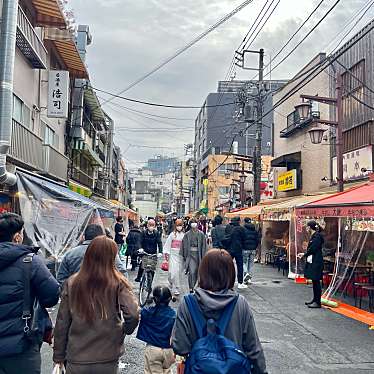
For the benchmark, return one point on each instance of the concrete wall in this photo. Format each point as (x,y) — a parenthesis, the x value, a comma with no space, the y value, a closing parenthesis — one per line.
(315,159)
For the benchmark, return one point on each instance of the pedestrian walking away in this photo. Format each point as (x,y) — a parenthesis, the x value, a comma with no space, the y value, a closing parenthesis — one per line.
(172,253)
(151,244)
(134,243)
(194,247)
(235,243)
(156,324)
(72,260)
(314,262)
(97,309)
(24,281)
(119,232)
(218,232)
(214,294)
(249,253)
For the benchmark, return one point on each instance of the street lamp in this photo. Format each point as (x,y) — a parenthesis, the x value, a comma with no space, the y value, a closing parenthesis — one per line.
(316,135)
(303,110)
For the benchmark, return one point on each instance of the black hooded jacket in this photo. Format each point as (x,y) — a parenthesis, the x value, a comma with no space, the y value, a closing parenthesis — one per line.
(252,237)
(43,287)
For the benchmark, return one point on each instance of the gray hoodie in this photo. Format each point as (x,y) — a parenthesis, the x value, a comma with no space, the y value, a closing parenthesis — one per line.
(241,329)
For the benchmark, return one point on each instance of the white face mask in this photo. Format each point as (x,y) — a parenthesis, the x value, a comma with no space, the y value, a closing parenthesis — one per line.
(151,228)
(194,225)
(179,228)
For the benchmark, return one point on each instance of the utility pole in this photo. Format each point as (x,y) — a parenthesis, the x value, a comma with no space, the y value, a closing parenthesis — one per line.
(258,148)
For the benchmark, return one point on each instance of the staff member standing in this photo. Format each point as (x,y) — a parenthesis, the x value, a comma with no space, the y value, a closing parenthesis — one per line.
(314,262)
(119,232)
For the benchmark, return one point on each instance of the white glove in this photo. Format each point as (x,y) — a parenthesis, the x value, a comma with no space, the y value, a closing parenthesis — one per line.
(140,251)
(159,254)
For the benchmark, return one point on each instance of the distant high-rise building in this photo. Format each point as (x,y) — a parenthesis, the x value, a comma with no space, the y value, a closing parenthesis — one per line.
(161,164)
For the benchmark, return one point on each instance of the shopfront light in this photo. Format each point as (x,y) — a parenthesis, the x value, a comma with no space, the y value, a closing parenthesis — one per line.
(316,135)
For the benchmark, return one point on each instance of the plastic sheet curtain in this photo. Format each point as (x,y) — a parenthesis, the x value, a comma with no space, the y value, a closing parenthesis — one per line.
(55,217)
(354,257)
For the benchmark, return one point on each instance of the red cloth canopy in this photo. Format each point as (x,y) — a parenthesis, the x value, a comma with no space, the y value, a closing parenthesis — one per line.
(357,202)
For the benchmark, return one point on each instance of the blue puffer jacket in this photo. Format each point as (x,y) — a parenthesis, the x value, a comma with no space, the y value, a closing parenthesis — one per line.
(43,287)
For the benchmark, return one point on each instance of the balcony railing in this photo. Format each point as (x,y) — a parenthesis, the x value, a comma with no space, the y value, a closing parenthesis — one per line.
(55,163)
(29,42)
(294,123)
(82,178)
(26,148)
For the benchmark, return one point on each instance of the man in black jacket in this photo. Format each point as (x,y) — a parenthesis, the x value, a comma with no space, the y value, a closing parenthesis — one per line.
(18,353)
(218,232)
(150,242)
(250,250)
(235,244)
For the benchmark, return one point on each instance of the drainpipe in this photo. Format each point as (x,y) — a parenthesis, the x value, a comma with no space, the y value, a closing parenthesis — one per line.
(7,57)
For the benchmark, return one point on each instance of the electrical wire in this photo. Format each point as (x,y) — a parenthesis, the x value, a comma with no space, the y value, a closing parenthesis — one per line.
(360,101)
(304,38)
(185,48)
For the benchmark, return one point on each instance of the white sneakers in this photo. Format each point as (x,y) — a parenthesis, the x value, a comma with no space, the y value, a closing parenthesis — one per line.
(242,286)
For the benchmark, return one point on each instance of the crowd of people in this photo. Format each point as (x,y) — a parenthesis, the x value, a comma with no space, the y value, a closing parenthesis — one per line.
(98,307)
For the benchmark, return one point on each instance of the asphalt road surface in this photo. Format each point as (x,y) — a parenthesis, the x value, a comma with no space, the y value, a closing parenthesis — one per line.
(296,340)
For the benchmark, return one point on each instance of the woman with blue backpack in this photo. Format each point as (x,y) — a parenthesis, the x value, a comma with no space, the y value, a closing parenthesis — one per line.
(215,328)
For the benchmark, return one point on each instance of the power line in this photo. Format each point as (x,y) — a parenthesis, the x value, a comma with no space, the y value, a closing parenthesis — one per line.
(304,38)
(361,102)
(156,104)
(185,48)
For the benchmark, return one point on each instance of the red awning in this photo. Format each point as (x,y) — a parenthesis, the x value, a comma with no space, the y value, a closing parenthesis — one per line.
(356,202)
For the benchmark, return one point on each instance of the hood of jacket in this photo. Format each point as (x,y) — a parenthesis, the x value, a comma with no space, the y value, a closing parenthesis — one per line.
(250,226)
(211,302)
(11,252)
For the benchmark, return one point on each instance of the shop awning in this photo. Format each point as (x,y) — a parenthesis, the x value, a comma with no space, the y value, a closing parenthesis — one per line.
(357,202)
(69,53)
(252,212)
(282,211)
(49,13)
(285,160)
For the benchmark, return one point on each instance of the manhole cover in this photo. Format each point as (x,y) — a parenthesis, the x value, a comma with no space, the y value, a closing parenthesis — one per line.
(277,281)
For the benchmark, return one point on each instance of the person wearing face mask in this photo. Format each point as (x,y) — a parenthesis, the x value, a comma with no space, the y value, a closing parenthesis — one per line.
(172,253)
(151,243)
(194,247)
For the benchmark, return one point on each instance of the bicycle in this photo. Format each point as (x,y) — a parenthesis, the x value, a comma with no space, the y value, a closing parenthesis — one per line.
(149,264)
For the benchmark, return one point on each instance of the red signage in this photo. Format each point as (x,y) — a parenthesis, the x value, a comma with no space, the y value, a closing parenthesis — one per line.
(344,211)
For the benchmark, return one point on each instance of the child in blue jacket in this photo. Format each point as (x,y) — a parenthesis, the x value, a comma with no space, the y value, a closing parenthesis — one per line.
(156,324)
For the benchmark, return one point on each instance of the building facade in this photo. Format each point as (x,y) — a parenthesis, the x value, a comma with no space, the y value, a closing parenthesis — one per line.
(305,166)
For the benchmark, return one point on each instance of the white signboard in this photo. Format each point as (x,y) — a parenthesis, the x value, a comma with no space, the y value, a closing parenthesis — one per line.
(354,161)
(58,94)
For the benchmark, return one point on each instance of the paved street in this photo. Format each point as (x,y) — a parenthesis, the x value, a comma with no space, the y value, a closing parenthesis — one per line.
(295,338)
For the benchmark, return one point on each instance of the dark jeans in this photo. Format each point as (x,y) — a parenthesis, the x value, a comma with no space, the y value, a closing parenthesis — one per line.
(28,362)
(317,291)
(238,257)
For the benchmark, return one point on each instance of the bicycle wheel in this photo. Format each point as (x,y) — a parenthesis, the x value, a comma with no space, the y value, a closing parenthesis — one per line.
(144,291)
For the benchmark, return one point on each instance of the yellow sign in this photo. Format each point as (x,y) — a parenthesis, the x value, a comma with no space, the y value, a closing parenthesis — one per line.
(205,182)
(287,181)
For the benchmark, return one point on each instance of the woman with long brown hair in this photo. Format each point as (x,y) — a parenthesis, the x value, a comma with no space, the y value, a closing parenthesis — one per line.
(97,310)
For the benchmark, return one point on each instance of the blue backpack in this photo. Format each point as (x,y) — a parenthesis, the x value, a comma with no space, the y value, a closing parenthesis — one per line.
(213,353)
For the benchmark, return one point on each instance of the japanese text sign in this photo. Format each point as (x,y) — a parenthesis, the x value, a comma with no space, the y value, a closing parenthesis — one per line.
(58,94)
(287,181)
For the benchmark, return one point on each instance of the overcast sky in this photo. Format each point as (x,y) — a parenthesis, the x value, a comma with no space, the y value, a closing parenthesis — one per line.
(130,37)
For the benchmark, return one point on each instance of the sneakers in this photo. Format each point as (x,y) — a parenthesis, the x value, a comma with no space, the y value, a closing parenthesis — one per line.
(242,286)
(255,261)
(247,279)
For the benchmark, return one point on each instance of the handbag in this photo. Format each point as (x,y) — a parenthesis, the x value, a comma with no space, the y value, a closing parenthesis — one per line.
(165,266)
(38,324)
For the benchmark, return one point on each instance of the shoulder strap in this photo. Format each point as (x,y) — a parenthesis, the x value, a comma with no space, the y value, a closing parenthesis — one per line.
(196,314)
(26,307)
(226,316)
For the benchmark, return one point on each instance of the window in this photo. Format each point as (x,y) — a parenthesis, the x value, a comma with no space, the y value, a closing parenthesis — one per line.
(223,191)
(225,167)
(21,112)
(49,136)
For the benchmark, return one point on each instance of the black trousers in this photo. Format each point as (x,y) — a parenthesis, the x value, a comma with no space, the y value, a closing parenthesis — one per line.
(317,291)
(238,256)
(28,362)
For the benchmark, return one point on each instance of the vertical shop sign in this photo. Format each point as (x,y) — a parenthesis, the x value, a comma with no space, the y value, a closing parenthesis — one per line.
(58,94)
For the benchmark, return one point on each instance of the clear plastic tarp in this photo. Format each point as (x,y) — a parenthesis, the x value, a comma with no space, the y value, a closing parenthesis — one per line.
(55,217)
(353,261)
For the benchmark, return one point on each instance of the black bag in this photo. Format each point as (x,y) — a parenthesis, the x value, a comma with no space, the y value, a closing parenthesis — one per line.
(38,324)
